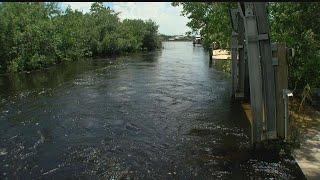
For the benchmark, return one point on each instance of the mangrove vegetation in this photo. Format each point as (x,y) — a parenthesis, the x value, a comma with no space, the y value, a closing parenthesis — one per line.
(37,35)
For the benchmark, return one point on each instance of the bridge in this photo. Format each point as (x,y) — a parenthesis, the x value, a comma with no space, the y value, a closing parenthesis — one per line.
(259,73)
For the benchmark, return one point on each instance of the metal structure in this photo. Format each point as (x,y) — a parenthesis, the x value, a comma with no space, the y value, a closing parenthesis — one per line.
(259,72)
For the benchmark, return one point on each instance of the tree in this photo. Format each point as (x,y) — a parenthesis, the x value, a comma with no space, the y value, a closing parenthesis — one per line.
(37,35)
(211,19)
(298,25)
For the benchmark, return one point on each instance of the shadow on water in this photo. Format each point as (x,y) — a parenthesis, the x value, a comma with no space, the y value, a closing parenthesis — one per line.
(156,115)
(15,83)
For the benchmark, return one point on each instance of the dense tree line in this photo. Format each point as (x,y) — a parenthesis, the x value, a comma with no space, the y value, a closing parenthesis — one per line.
(37,35)
(296,24)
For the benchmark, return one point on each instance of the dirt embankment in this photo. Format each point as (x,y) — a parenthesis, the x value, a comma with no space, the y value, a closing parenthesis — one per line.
(306,134)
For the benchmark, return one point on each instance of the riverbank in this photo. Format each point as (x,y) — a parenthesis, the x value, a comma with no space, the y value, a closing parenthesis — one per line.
(306,134)
(49,37)
(110,58)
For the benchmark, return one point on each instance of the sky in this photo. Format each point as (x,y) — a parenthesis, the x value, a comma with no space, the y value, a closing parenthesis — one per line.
(166,16)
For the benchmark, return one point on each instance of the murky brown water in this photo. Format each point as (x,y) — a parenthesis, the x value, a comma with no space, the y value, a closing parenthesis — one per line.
(158,115)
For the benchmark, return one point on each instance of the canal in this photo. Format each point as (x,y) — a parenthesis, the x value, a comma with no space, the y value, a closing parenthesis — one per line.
(156,115)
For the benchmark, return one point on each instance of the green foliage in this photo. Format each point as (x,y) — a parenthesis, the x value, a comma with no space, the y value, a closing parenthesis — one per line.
(150,39)
(210,19)
(37,35)
(296,24)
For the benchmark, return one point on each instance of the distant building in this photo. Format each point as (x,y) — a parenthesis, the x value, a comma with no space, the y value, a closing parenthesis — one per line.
(178,38)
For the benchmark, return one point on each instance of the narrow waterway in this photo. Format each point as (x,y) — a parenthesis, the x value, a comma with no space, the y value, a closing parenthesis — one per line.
(162,115)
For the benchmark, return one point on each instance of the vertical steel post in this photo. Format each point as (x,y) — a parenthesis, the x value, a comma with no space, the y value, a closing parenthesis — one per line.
(286,94)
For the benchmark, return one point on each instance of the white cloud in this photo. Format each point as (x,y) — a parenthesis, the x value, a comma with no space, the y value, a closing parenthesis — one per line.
(166,16)
(81,6)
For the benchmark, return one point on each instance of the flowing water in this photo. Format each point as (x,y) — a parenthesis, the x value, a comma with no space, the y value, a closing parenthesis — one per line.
(157,115)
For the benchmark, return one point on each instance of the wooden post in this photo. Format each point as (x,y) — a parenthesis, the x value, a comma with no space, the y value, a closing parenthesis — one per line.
(255,75)
(267,68)
(210,55)
(234,49)
(246,74)
(281,75)
(241,9)
(242,65)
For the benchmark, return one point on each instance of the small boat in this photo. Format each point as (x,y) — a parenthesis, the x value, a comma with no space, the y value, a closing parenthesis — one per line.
(197,40)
